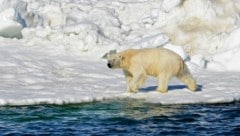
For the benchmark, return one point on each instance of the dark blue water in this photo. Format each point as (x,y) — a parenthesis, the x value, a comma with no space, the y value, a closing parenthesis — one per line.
(125,117)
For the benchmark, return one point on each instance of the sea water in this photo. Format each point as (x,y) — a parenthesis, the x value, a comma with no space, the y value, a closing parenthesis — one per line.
(121,117)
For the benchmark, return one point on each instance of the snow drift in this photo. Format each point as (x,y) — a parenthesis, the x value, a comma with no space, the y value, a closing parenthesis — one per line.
(205,27)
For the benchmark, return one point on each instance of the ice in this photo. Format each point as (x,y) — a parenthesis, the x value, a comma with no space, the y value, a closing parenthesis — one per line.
(177,49)
(56,56)
(168,5)
(227,53)
(199,60)
(39,77)
(8,27)
(36,75)
(228,60)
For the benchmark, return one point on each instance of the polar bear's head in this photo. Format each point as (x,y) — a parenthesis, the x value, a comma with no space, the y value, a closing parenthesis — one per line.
(114,59)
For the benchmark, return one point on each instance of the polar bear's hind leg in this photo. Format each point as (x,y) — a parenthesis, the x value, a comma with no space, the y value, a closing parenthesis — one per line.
(163,80)
(186,77)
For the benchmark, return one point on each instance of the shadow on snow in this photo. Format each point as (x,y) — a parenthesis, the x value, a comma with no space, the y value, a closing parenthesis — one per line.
(170,88)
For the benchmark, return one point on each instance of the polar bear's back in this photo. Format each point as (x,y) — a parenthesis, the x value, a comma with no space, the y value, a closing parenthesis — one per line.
(158,52)
(154,54)
(155,60)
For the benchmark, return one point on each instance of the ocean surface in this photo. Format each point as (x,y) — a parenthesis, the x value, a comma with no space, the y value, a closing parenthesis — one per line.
(121,117)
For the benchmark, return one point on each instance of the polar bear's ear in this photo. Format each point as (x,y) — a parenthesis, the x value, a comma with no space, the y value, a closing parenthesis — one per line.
(121,57)
(112,51)
(105,56)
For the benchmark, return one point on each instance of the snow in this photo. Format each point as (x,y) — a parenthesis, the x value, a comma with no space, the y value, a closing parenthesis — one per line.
(177,49)
(50,51)
(36,76)
(41,75)
(168,5)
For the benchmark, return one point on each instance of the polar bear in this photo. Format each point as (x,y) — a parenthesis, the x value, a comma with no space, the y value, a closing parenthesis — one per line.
(162,63)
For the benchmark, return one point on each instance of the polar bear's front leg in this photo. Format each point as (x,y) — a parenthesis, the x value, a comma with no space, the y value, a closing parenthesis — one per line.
(134,83)
(128,80)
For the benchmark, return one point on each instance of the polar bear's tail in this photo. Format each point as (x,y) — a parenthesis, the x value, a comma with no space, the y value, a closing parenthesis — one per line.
(186,77)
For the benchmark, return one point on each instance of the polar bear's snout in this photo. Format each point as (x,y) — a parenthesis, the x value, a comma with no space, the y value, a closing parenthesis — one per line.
(109,65)
(113,62)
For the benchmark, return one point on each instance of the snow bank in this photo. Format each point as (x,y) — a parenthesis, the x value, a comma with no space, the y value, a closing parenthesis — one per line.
(228,55)
(202,27)
(8,27)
